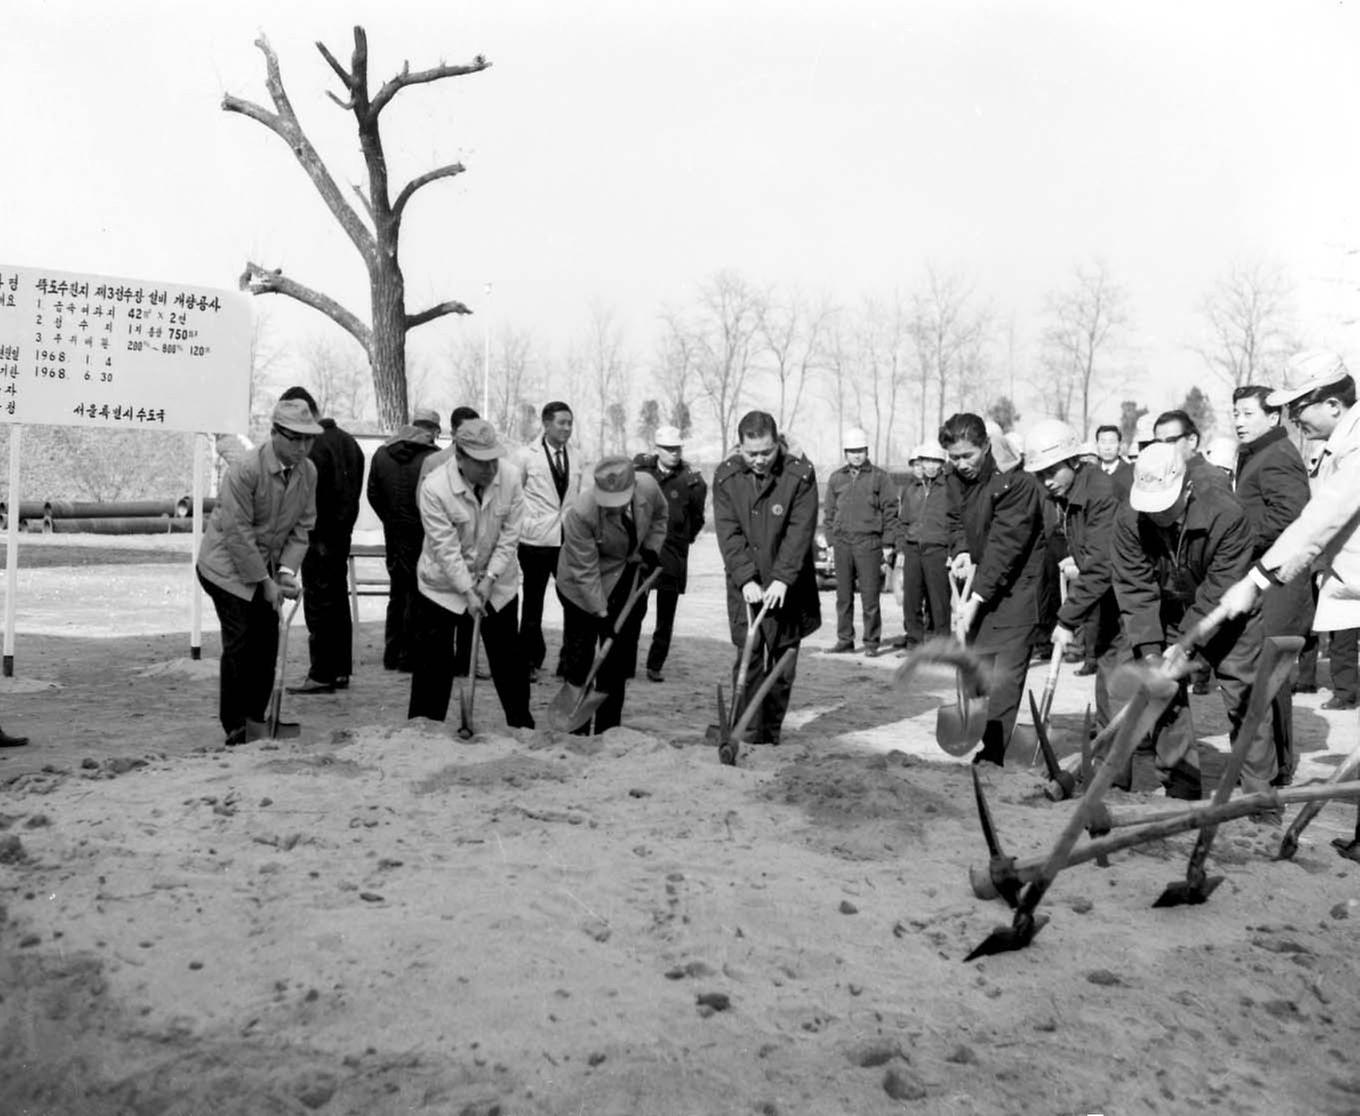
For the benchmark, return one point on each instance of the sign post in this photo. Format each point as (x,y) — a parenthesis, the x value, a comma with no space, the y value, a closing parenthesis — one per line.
(103,353)
(12,548)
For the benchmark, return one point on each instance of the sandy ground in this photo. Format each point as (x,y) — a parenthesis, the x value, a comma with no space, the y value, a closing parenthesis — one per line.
(381,918)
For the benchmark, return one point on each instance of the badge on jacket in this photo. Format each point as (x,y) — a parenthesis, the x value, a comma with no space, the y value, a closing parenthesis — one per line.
(778,509)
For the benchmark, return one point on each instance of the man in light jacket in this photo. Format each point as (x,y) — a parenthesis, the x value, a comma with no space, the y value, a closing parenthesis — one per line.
(1325,538)
(250,555)
(551,482)
(611,539)
(471,511)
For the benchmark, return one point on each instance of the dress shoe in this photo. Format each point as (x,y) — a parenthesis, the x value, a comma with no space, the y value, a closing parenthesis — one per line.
(311,686)
(872,650)
(845,647)
(342,683)
(1338,703)
(654,675)
(236,736)
(1305,688)
(7,741)
(1282,778)
(1349,849)
(1072,657)
(1085,669)
(903,642)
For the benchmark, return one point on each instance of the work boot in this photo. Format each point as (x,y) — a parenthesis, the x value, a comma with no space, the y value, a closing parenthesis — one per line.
(844,647)
(7,741)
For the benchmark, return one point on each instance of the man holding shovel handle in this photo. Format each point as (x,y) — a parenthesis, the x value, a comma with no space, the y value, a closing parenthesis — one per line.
(1324,541)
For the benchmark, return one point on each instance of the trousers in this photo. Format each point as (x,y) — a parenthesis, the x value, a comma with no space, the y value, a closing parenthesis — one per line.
(537,564)
(925,589)
(667,601)
(325,607)
(583,633)
(434,659)
(250,644)
(859,564)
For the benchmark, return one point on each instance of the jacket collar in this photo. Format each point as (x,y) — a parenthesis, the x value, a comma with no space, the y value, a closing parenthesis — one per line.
(1269,438)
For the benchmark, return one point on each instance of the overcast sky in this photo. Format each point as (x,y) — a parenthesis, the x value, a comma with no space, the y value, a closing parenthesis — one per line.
(626,150)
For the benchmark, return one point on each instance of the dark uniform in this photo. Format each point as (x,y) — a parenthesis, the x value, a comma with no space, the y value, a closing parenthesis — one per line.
(1272,486)
(1088,511)
(1167,580)
(923,542)
(1121,479)
(998,520)
(393,477)
(686,492)
(766,527)
(325,571)
(861,511)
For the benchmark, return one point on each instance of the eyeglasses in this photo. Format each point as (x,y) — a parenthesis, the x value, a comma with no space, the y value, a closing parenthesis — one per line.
(1172,439)
(1299,406)
(293,435)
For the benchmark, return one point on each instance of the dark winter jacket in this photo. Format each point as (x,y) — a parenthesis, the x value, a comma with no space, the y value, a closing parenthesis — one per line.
(393,478)
(1089,511)
(686,492)
(1272,486)
(1121,480)
(1199,470)
(1168,579)
(766,527)
(861,507)
(923,513)
(339,480)
(998,520)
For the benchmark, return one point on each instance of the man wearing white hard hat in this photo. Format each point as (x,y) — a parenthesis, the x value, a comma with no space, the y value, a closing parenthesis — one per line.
(1178,547)
(923,547)
(1324,541)
(1087,506)
(686,491)
(861,512)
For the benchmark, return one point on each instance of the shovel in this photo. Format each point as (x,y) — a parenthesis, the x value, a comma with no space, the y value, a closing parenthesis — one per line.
(271,727)
(1146,705)
(1061,783)
(727,747)
(1278,656)
(959,727)
(574,706)
(467,696)
(762,691)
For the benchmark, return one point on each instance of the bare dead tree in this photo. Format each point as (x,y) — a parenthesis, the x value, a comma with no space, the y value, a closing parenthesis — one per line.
(883,367)
(947,331)
(1086,319)
(603,368)
(723,331)
(376,234)
(338,379)
(1250,326)
(790,330)
(677,368)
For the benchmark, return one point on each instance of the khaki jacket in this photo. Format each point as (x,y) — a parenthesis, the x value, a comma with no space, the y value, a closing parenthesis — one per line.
(595,548)
(466,541)
(543,510)
(260,524)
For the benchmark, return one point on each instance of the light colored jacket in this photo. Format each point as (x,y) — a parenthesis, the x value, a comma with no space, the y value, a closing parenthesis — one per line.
(260,523)
(595,548)
(543,510)
(466,541)
(1324,538)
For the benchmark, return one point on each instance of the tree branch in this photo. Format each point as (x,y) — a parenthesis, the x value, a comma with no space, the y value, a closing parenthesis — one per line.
(359,191)
(416,183)
(258,280)
(406,77)
(284,124)
(346,78)
(413,320)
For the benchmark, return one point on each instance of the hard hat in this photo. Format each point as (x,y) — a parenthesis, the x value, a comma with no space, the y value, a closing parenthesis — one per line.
(854,439)
(667,436)
(1048,442)
(1222,451)
(932,450)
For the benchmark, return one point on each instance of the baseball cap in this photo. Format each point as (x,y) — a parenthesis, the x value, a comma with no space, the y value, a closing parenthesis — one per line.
(1311,371)
(477,438)
(425,416)
(295,415)
(613,482)
(668,436)
(1158,478)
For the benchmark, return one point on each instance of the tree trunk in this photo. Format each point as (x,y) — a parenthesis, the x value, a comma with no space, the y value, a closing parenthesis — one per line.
(388,355)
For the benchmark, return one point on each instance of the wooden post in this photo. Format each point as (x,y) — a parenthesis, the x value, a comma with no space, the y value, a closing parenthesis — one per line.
(201,449)
(12,548)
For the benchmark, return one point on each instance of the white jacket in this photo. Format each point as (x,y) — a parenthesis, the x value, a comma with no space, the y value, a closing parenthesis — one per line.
(466,541)
(1324,538)
(543,509)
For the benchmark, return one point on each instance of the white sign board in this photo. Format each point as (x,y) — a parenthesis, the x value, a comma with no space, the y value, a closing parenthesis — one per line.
(101,352)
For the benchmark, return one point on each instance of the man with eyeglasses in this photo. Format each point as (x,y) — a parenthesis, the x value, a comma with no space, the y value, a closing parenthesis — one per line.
(252,548)
(1178,429)
(1324,541)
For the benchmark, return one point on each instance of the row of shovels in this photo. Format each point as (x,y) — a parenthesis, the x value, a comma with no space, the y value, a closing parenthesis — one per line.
(1023,883)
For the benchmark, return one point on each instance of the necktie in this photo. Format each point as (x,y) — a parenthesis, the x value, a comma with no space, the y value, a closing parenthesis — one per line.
(287,472)
(561,462)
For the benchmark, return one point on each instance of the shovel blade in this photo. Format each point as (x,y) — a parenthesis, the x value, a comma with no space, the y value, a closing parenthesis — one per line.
(1006,939)
(464,714)
(1182,893)
(573,707)
(952,731)
(277,730)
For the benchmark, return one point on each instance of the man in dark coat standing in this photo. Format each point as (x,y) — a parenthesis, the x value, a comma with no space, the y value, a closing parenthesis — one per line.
(393,478)
(923,544)
(1272,486)
(325,571)
(765,512)
(861,513)
(686,493)
(1178,547)
(1112,465)
(997,533)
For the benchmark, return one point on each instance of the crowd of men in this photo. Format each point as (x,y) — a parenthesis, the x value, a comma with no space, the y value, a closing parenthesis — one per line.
(1025,549)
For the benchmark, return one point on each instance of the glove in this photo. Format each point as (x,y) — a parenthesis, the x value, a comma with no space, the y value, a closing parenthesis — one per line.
(752,593)
(650,559)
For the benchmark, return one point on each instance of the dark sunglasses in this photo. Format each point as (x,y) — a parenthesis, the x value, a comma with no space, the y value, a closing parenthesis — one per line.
(293,435)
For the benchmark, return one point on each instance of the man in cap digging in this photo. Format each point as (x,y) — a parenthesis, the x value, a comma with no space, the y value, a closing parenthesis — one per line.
(612,536)
(393,477)
(471,511)
(1178,547)
(1325,538)
(923,546)
(686,492)
(250,555)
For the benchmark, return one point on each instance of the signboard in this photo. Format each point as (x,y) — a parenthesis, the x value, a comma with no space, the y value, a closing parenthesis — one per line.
(100,352)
